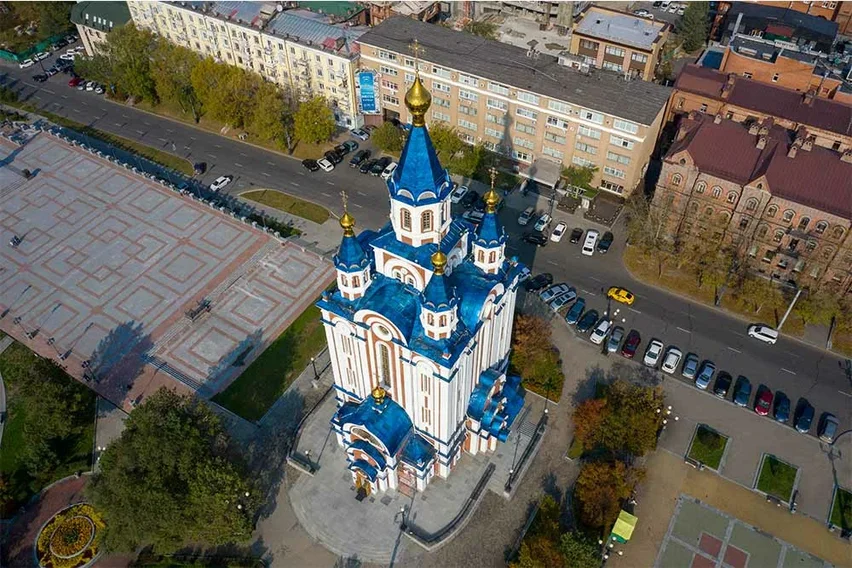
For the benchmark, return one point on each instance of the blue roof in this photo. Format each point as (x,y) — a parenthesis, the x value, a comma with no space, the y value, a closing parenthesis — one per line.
(370,450)
(351,256)
(490,232)
(497,412)
(419,179)
(438,296)
(418,452)
(422,255)
(364,466)
(386,421)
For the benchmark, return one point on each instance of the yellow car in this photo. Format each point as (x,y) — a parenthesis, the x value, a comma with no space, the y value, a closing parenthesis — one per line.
(621,295)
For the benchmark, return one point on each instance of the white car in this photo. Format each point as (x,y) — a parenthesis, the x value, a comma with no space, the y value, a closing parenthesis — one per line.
(68,56)
(26,63)
(386,175)
(221,182)
(41,55)
(763,333)
(652,354)
(326,165)
(600,332)
(458,193)
(672,360)
(542,222)
(360,134)
(590,242)
(90,86)
(558,231)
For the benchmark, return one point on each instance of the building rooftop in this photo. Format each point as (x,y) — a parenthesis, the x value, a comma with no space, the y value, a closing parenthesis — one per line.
(768,99)
(254,14)
(768,51)
(336,9)
(341,39)
(782,21)
(639,101)
(619,27)
(816,178)
(108,14)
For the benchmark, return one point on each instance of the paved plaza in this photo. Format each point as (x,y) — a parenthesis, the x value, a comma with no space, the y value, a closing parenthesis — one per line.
(699,536)
(110,262)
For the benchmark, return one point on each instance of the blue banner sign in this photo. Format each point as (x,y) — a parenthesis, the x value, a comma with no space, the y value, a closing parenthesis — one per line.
(367,84)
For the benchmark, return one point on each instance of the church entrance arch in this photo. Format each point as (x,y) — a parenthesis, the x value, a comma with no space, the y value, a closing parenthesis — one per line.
(407,480)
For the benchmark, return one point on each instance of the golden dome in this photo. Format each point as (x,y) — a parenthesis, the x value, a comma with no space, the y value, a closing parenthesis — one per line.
(379,394)
(491,200)
(348,224)
(439,262)
(418,100)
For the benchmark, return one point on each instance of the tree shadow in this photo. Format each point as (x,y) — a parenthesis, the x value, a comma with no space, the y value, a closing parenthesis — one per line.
(118,360)
(348,562)
(228,555)
(236,358)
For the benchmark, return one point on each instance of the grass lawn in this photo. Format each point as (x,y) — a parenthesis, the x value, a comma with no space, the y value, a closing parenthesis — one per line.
(266,379)
(288,203)
(708,446)
(841,509)
(776,478)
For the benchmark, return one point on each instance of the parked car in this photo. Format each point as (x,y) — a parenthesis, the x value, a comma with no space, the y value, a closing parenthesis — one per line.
(90,86)
(558,231)
(671,360)
(803,416)
(723,384)
(200,167)
(474,216)
(705,374)
(41,55)
(469,199)
(563,300)
(600,332)
(542,222)
(325,165)
(538,282)
(74,81)
(555,291)
(576,235)
(652,353)
(221,182)
(763,400)
(589,243)
(631,344)
(310,165)
(573,315)
(586,322)
(525,216)
(742,391)
(367,166)
(99,89)
(350,146)
(534,238)
(26,63)
(605,242)
(68,56)
(622,295)
(690,366)
(360,134)
(458,193)
(615,338)
(781,412)
(359,158)
(333,157)
(481,206)
(763,333)
(828,426)
(389,170)
(40,78)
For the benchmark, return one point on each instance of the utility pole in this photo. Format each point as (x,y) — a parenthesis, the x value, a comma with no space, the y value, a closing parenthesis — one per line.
(790,308)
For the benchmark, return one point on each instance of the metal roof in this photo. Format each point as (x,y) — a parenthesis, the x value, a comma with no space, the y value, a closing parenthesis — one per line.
(619,27)
(603,91)
(317,33)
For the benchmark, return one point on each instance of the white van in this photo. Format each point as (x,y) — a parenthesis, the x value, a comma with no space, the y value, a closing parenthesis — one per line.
(386,175)
(763,333)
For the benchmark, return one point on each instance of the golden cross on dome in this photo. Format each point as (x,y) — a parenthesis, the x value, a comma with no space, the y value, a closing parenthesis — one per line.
(415,48)
(493,173)
(344,199)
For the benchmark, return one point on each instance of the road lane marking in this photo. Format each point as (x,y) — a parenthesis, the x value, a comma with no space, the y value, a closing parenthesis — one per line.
(169,130)
(211,156)
(553,263)
(64,96)
(587,292)
(193,138)
(738,334)
(75,109)
(216,145)
(734,350)
(243,155)
(301,173)
(162,139)
(684,330)
(36,97)
(634,311)
(265,174)
(325,194)
(361,193)
(330,182)
(358,205)
(845,393)
(270,163)
(48,91)
(85,103)
(239,165)
(140,132)
(788,371)
(595,279)
(294,183)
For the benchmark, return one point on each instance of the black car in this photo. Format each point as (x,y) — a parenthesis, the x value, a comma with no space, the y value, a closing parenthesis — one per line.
(310,165)
(333,157)
(40,78)
(469,199)
(605,242)
(535,238)
(367,166)
(200,167)
(588,320)
(576,235)
(359,158)
(380,166)
(723,384)
(539,282)
(804,416)
(781,412)
(341,149)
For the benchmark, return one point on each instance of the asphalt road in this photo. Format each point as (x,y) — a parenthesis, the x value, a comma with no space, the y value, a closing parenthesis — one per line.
(791,366)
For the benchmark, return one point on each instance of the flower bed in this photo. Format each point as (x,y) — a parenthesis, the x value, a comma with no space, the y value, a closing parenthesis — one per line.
(70,539)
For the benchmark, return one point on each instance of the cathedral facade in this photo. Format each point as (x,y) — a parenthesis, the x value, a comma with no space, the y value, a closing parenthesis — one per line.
(419,328)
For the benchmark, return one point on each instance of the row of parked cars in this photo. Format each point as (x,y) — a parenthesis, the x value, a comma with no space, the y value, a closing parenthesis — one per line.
(56,46)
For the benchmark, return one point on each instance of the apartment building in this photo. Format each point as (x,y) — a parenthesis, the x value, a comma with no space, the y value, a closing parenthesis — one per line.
(740,99)
(825,9)
(618,41)
(94,20)
(306,57)
(423,10)
(784,202)
(776,23)
(533,107)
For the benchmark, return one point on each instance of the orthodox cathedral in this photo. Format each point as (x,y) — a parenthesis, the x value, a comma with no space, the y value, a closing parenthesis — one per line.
(419,328)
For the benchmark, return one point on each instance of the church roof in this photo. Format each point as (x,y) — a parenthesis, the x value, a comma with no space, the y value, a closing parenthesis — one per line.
(496,411)
(438,296)
(419,179)
(421,255)
(418,452)
(490,232)
(386,420)
(351,255)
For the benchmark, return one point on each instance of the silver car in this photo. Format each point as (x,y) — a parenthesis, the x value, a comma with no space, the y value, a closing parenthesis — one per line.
(615,339)
(561,301)
(690,366)
(555,291)
(828,426)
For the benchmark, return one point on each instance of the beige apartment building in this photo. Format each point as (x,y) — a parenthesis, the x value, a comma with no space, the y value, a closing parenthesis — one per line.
(618,41)
(94,20)
(293,48)
(535,108)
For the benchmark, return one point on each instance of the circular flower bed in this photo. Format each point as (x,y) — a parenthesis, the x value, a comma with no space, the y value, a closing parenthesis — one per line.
(70,539)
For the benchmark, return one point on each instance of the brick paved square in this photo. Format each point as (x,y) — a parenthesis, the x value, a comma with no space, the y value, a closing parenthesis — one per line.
(701,562)
(710,545)
(735,558)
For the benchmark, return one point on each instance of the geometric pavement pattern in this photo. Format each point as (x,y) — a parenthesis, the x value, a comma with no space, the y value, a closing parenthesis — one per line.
(699,536)
(110,261)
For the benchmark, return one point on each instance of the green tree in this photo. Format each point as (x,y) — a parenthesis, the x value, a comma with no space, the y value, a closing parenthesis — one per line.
(579,176)
(170,479)
(600,489)
(314,121)
(54,18)
(632,421)
(125,62)
(488,30)
(817,307)
(226,92)
(388,138)
(588,418)
(579,550)
(755,293)
(693,27)
(540,547)
(270,116)
(171,69)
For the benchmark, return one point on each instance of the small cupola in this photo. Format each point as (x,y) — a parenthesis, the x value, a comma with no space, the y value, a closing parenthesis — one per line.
(489,245)
(438,303)
(351,261)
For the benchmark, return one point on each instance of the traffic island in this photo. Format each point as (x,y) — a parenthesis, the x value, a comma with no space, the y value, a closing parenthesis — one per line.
(777,478)
(707,447)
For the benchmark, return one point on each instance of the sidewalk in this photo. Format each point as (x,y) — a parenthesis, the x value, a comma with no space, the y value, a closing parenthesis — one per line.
(324,237)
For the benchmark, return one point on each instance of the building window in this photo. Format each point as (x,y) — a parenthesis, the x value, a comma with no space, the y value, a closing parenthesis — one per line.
(746,74)
(498,104)
(438,101)
(761,231)
(555,138)
(389,85)
(788,215)
(468,95)
(409,77)
(389,99)
(388,70)
(771,211)
(803,223)
(559,106)
(521,156)
(467,124)
(468,80)
(775,77)
(496,119)
(553,153)
(590,132)
(612,50)
(625,126)
(498,88)
(700,187)
(588,44)
(480,256)
(810,246)
(751,204)
(471,111)
(717,191)
(610,66)
(408,62)
(557,122)
(426,221)
(677,179)
(523,143)
(610,186)
(619,141)
(612,156)
(837,233)
(528,97)
(778,236)
(743,223)
(525,128)
(387,55)
(587,148)
(582,162)
(732,198)
(708,212)
(405,217)
(494,133)
(526,113)
(820,227)
(639,57)
(440,87)
(384,364)
(441,72)
(591,116)
(768,255)
(615,172)
(438,115)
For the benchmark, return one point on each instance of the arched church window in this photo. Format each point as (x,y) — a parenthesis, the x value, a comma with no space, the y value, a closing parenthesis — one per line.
(405,216)
(344,280)
(426,221)
(430,319)
(384,363)
(443,320)
(492,256)
(356,281)
(480,256)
